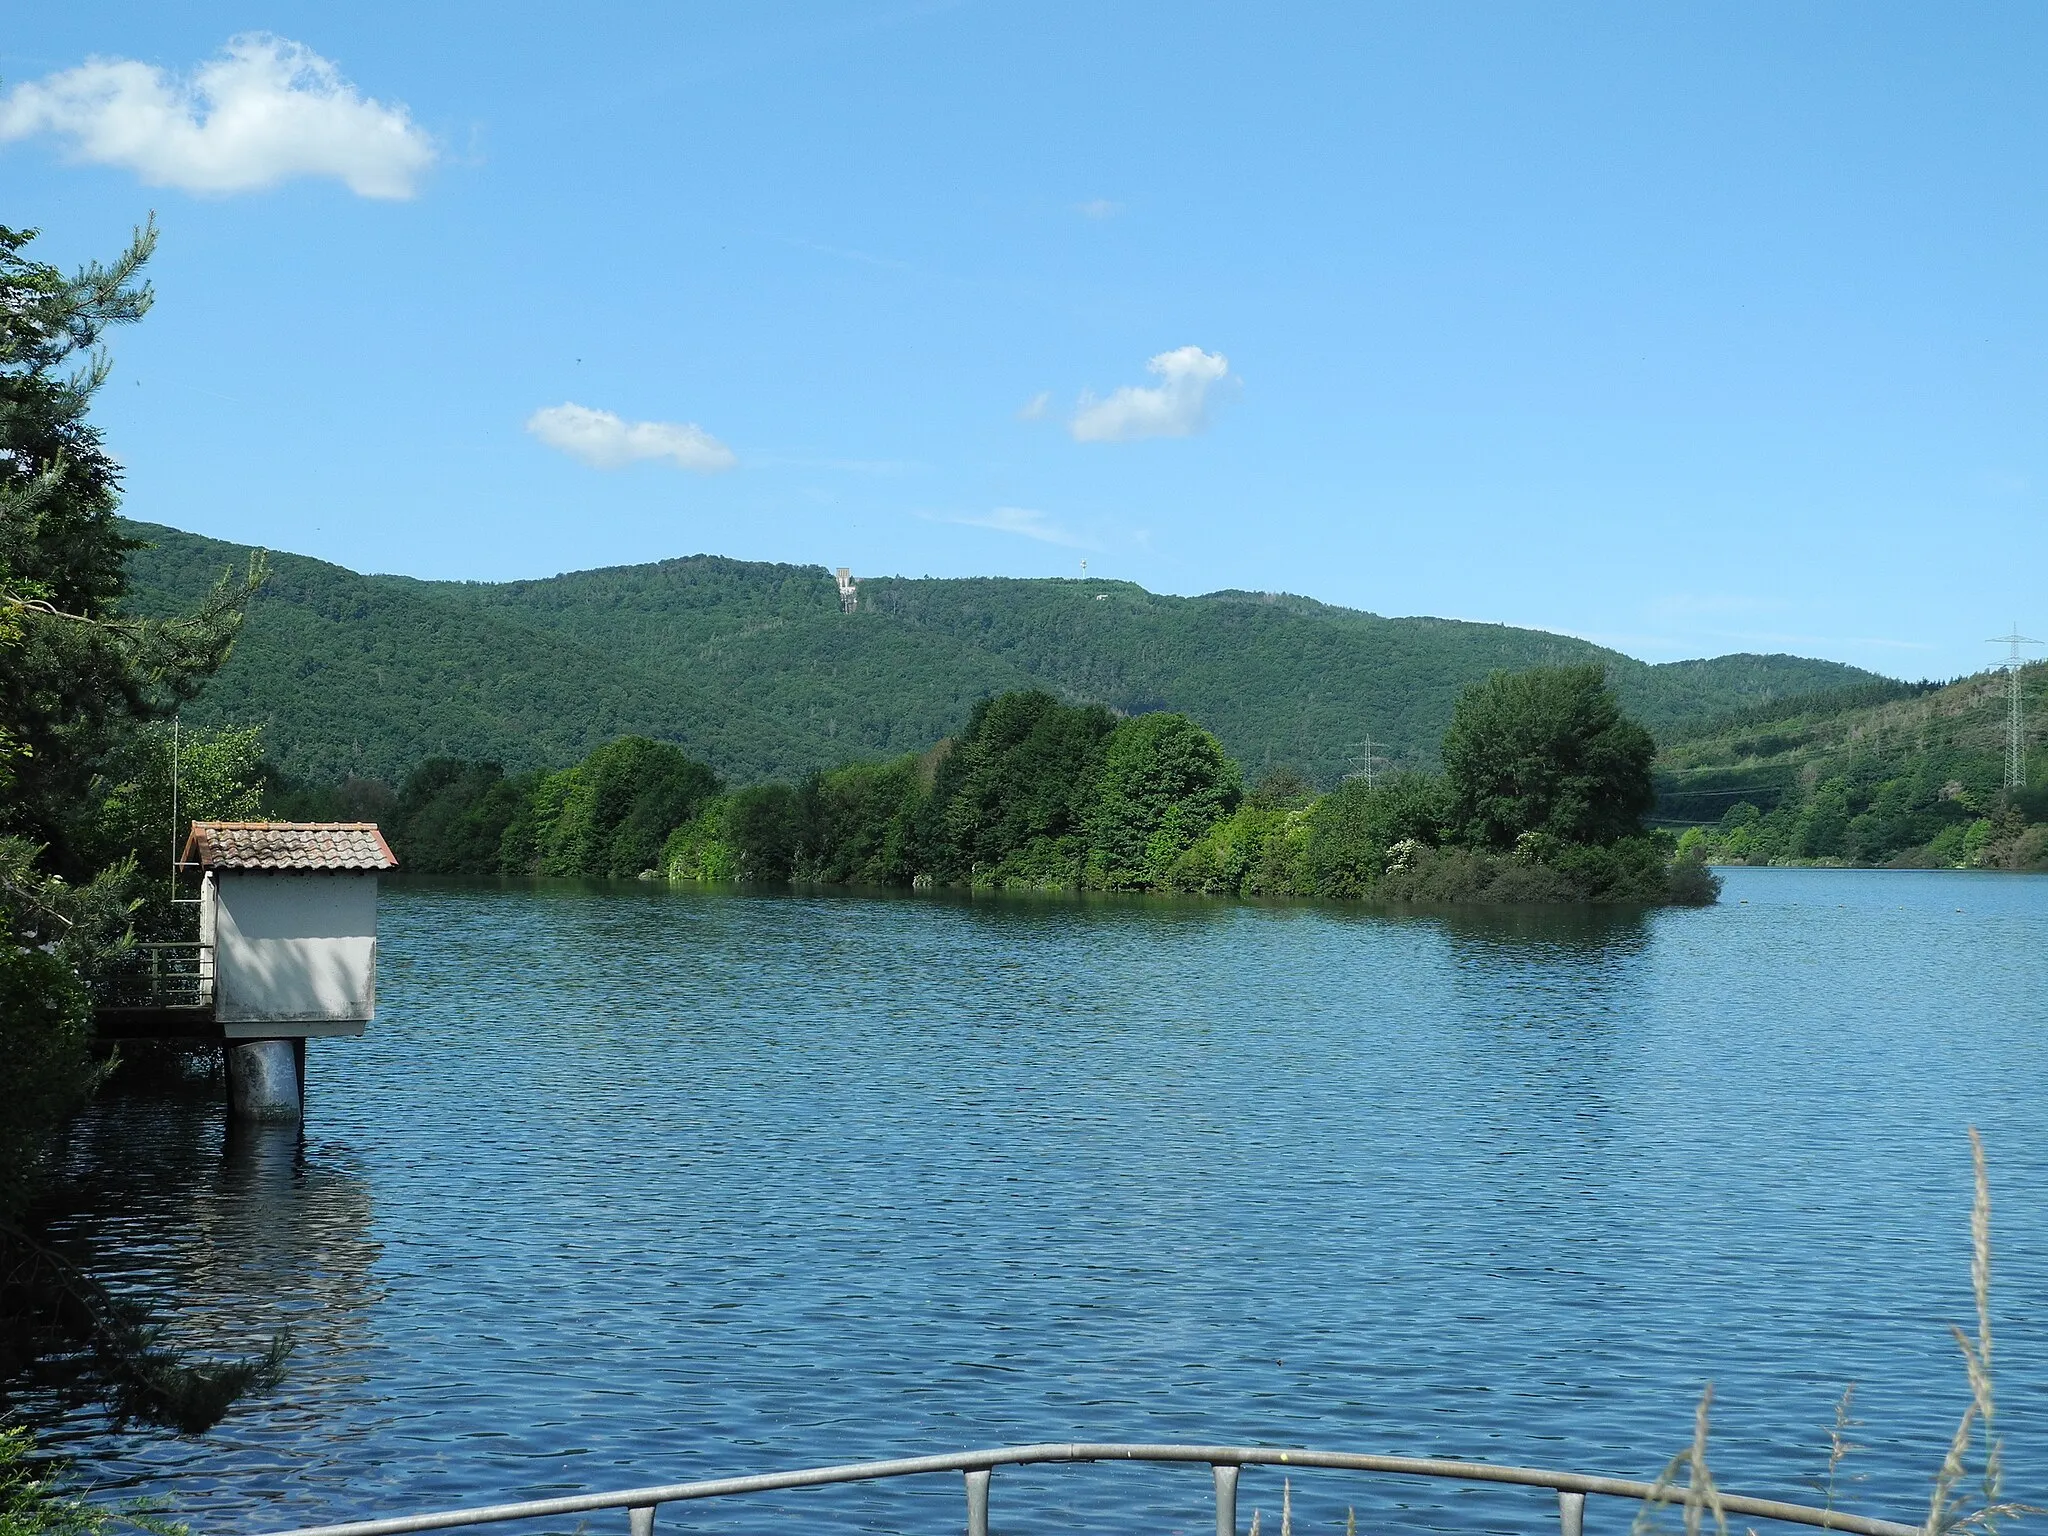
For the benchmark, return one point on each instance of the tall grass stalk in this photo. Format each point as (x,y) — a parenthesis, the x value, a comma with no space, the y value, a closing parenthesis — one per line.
(1840,1445)
(1700,1497)
(1949,1509)
(1687,1476)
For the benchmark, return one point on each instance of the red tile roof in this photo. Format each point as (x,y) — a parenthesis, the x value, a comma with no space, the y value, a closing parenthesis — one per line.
(288,845)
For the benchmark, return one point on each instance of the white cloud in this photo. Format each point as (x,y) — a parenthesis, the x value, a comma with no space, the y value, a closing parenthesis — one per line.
(1175,407)
(1036,407)
(1098,208)
(1032,525)
(265,111)
(605,441)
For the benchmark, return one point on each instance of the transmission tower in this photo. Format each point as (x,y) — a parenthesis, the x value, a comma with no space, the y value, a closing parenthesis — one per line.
(2015,724)
(1370,764)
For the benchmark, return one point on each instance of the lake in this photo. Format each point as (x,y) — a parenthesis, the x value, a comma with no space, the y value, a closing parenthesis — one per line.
(630,1184)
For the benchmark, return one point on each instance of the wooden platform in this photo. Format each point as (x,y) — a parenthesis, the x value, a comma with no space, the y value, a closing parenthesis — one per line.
(200,1024)
(156,1024)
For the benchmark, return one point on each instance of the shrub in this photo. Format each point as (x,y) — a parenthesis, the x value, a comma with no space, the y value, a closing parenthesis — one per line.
(697,850)
(1421,873)
(1634,869)
(1976,838)
(1043,864)
(1691,883)
(1346,835)
(1236,856)
(46,1068)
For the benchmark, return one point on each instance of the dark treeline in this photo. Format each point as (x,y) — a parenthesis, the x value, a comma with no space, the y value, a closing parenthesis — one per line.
(1542,796)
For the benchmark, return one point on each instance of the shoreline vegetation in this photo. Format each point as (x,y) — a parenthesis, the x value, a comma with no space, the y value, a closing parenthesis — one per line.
(1542,798)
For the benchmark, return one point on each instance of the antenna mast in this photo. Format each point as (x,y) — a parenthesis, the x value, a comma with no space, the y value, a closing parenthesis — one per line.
(174,808)
(2015,724)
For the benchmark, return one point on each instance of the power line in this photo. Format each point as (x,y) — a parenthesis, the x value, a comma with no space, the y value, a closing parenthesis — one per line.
(1674,791)
(2015,725)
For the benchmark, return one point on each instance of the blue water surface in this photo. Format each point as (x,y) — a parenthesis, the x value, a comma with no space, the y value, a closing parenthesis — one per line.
(631,1185)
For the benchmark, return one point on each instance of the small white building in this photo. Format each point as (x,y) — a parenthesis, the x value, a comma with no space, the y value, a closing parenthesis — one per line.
(288,925)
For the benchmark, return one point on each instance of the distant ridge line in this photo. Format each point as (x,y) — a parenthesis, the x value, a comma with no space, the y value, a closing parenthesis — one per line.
(754,667)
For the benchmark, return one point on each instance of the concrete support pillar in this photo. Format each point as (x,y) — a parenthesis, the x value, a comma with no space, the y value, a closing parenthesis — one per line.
(265,1085)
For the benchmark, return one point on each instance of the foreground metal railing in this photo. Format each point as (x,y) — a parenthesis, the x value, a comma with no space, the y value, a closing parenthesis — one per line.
(1225,1461)
(177,975)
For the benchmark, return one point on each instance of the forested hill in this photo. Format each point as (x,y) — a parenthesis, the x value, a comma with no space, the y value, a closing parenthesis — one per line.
(754,668)
(1910,774)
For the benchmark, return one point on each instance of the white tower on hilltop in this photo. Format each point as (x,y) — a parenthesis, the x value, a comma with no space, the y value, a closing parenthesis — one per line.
(2015,724)
(849,590)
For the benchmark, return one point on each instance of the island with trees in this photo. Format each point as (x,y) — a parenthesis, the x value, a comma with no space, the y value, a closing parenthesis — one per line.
(1542,797)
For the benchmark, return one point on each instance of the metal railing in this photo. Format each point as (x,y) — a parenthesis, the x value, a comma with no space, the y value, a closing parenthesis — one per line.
(1225,1462)
(178,975)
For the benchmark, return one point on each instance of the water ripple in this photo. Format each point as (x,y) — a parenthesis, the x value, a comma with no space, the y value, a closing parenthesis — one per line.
(630,1185)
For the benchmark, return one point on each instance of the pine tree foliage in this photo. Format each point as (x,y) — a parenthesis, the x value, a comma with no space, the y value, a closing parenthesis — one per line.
(76,674)
(81,680)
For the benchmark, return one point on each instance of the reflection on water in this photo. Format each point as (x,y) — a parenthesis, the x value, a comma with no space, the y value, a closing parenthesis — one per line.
(629,1185)
(240,1231)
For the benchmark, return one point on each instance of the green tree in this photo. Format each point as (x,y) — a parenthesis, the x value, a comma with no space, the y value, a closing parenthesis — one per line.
(1015,777)
(1821,830)
(76,674)
(451,817)
(764,827)
(619,806)
(699,849)
(1164,781)
(1546,751)
(78,679)
(1254,851)
(861,821)
(45,1066)
(1351,829)
(210,775)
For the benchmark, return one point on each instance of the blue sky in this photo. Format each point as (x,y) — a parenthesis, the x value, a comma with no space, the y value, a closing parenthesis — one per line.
(1690,330)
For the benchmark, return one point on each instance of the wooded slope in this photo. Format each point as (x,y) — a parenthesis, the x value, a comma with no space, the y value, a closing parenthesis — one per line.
(1949,741)
(753,667)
